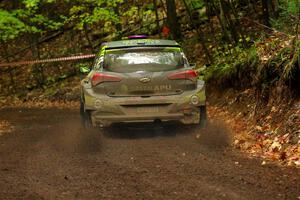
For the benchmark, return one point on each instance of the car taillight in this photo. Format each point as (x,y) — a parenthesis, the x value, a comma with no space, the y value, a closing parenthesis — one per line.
(188,74)
(100,78)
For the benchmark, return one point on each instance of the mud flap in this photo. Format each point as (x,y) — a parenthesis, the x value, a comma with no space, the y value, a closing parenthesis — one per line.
(203,117)
(85,117)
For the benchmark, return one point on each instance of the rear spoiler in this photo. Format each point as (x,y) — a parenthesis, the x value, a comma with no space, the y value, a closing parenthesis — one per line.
(135,46)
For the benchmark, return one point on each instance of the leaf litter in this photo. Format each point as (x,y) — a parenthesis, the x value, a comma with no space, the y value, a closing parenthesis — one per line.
(5,127)
(267,137)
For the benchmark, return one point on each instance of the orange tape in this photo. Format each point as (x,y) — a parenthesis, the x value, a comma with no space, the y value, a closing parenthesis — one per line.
(80,57)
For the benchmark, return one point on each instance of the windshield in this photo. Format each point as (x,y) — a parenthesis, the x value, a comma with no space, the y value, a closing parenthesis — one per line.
(153,60)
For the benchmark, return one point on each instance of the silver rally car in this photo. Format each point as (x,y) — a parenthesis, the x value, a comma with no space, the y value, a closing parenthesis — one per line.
(141,80)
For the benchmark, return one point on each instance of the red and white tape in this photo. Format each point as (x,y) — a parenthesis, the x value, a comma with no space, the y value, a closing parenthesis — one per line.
(79,57)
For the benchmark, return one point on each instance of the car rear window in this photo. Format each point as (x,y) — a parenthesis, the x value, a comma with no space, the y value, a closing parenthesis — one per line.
(153,60)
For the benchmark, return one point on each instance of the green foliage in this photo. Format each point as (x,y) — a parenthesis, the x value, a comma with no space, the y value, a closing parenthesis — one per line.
(230,63)
(290,68)
(131,14)
(26,20)
(149,6)
(293,7)
(288,19)
(195,4)
(31,4)
(101,12)
(39,23)
(149,22)
(10,26)
(35,21)
(142,20)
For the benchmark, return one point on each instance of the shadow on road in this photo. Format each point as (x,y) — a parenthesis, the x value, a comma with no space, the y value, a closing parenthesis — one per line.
(214,136)
(64,132)
(144,130)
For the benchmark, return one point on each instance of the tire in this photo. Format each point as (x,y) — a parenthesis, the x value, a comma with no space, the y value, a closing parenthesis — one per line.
(85,117)
(203,117)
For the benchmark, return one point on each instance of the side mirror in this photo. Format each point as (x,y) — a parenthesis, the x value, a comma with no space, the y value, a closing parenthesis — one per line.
(84,70)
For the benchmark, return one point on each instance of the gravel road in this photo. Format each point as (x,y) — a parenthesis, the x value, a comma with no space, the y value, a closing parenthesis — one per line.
(49,156)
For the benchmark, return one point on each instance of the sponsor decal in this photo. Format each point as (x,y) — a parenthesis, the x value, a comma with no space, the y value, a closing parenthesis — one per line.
(156,88)
(146,41)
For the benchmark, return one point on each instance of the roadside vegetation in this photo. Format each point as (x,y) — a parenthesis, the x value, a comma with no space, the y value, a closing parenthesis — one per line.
(250,51)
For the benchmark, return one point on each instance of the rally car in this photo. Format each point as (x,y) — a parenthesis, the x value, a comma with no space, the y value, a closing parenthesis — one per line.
(141,80)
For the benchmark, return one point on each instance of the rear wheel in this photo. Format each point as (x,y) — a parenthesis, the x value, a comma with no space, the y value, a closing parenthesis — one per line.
(203,117)
(85,117)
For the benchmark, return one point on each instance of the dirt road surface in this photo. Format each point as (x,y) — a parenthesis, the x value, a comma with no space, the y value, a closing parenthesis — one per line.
(49,156)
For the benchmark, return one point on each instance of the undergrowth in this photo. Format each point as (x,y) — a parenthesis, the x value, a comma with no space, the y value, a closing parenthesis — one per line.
(232,67)
(271,64)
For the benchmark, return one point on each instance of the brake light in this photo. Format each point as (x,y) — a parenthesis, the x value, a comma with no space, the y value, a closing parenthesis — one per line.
(188,74)
(101,78)
(137,37)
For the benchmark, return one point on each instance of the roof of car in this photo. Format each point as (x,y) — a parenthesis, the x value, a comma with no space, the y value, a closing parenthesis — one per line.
(140,43)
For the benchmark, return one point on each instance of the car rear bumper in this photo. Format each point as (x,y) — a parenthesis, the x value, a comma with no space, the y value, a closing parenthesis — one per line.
(104,121)
(191,117)
(107,110)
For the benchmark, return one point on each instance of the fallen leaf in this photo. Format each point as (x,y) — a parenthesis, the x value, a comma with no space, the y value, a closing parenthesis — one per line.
(258,128)
(282,155)
(276,146)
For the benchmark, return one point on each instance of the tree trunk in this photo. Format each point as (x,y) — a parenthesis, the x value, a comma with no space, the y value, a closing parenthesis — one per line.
(173,20)
(38,68)
(227,21)
(157,18)
(251,4)
(200,35)
(236,22)
(9,69)
(163,7)
(265,9)
(209,13)
(139,12)
(86,34)
(118,25)
(223,27)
